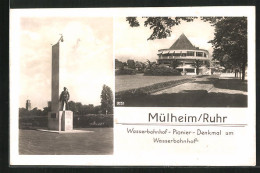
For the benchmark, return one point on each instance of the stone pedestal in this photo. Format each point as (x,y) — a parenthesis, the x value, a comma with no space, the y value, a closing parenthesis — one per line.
(60,121)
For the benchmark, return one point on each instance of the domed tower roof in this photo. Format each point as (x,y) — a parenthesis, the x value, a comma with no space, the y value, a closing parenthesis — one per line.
(182,43)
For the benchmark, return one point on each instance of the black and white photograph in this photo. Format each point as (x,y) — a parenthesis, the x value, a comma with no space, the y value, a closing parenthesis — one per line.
(181,61)
(66,86)
(159,86)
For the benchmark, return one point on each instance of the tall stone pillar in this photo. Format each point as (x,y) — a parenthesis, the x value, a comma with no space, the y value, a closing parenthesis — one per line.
(55,80)
(58,119)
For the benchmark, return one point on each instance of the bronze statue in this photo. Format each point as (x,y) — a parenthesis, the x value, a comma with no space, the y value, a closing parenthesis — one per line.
(64,97)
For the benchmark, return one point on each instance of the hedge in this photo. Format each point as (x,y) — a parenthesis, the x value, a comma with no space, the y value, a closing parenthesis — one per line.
(93,120)
(125,71)
(79,121)
(161,71)
(32,122)
(148,89)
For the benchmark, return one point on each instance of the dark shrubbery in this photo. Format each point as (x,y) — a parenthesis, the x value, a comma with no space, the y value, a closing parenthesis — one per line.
(125,71)
(121,95)
(79,121)
(161,71)
(93,120)
(32,122)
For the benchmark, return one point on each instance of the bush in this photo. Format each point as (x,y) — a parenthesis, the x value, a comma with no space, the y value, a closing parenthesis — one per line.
(79,121)
(33,122)
(93,120)
(125,71)
(161,71)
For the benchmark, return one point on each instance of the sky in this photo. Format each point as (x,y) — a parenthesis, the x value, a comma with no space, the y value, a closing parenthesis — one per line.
(86,55)
(86,58)
(132,43)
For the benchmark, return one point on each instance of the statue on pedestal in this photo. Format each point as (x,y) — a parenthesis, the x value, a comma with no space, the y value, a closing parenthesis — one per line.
(64,97)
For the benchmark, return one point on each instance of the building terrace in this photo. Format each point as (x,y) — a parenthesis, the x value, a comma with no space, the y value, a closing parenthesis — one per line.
(186,54)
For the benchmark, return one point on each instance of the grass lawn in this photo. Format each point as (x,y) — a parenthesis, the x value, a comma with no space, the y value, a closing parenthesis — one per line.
(231,84)
(228,92)
(99,142)
(125,82)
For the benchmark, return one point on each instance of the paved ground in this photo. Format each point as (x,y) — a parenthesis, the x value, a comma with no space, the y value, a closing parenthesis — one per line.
(100,142)
(227,86)
(204,83)
(206,91)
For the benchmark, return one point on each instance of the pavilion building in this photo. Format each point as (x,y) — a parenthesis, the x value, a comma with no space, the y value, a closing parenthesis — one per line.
(186,54)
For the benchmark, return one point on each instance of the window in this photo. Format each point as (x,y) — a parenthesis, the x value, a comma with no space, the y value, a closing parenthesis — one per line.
(176,54)
(189,70)
(164,56)
(190,53)
(199,54)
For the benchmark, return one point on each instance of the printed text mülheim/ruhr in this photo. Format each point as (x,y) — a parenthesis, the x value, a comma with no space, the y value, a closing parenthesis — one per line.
(170,117)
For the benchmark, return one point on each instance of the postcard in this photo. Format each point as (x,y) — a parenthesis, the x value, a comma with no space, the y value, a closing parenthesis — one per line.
(133,86)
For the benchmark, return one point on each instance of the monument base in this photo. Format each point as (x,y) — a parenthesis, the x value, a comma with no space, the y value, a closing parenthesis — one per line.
(60,121)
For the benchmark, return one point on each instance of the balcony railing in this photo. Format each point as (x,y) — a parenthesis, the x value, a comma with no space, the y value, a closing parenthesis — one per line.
(184,57)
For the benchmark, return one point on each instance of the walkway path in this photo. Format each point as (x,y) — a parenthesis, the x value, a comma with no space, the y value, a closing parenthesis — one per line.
(201,83)
(205,83)
(228,89)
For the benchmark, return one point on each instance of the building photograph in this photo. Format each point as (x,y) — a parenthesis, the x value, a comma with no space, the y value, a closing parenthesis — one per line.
(187,54)
(180,62)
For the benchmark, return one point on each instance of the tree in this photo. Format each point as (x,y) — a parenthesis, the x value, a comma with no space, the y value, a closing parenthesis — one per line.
(197,64)
(36,112)
(207,63)
(131,63)
(140,66)
(230,42)
(79,109)
(118,64)
(150,64)
(175,63)
(97,109)
(23,112)
(161,26)
(76,107)
(72,106)
(106,100)
(46,110)
(230,36)
(124,65)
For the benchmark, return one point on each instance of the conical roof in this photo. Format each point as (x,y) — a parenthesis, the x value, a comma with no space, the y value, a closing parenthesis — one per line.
(182,43)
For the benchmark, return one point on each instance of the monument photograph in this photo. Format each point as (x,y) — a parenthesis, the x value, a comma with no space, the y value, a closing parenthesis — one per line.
(65,86)
(181,62)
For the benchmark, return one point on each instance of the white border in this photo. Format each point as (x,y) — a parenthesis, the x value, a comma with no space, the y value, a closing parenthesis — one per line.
(16,14)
